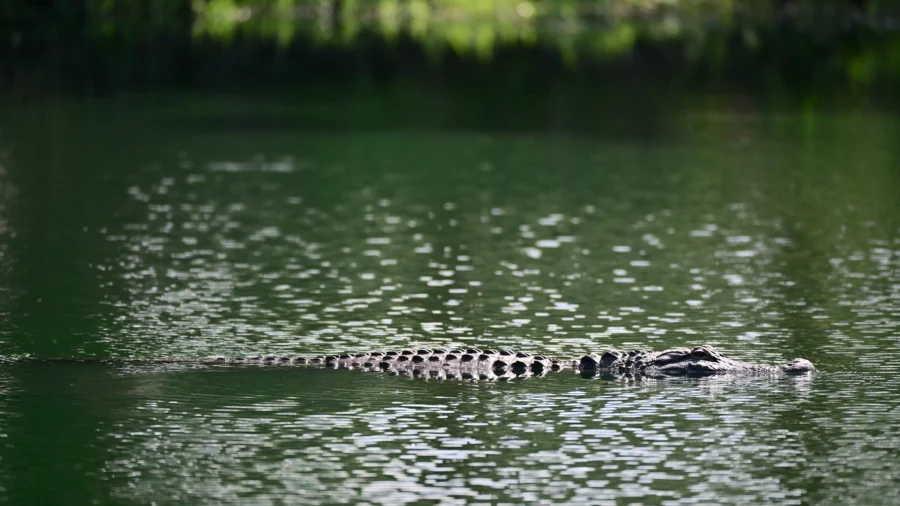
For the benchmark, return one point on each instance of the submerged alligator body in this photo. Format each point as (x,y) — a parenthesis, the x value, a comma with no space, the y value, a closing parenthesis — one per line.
(490,364)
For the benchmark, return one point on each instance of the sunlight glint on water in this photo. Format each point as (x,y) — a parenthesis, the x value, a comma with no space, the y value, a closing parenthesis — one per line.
(374,240)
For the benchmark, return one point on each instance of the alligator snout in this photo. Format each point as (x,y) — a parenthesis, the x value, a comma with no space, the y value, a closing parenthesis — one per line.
(798,366)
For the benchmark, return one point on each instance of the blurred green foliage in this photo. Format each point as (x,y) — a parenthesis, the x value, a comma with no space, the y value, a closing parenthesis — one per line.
(856,42)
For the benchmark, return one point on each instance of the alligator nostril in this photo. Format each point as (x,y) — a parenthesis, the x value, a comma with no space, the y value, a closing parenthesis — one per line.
(799,365)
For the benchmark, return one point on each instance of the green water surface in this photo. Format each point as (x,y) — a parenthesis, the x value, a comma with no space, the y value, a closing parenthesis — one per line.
(189,225)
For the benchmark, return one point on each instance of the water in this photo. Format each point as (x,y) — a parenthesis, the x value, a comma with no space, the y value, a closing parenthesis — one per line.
(180,225)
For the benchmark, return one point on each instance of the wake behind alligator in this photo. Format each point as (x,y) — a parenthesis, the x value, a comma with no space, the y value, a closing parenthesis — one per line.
(475,363)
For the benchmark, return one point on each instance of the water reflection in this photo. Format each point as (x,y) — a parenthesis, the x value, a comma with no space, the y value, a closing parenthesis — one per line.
(8,194)
(717,233)
(386,440)
(351,248)
(7,386)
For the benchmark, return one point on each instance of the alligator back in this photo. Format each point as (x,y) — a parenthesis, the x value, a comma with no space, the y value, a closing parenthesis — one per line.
(473,363)
(441,364)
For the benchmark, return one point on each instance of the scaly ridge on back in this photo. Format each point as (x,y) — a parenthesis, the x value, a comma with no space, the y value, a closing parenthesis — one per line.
(456,362)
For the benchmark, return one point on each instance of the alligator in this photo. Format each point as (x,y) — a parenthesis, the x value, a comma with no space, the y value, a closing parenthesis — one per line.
(474,363)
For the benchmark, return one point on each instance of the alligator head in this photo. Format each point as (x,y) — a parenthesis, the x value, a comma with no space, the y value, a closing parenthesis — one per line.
(698,361)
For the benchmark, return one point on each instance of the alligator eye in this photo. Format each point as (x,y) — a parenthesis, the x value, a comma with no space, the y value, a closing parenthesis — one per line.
(700,353)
